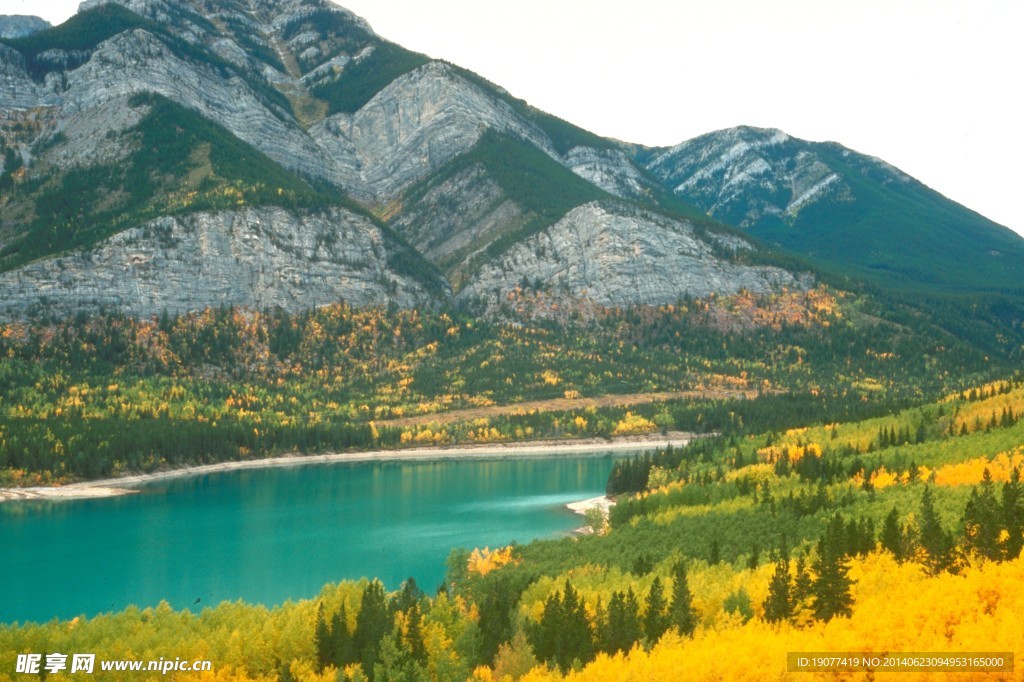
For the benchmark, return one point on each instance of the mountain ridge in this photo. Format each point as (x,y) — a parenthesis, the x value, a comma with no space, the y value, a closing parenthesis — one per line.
(841,208)
(441,155)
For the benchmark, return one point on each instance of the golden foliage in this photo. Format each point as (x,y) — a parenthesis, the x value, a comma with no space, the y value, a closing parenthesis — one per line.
(897,608)
(483,561)
(972,471)
(633,424)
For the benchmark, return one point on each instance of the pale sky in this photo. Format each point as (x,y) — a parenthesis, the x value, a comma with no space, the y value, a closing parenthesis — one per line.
(931,86)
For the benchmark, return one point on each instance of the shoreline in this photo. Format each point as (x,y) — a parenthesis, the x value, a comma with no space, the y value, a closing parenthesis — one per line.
(602,502)
(125,485)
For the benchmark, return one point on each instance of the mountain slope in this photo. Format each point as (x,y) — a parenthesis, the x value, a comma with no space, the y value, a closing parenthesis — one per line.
(851,213)
(298,104)
(210,110)
(614,255)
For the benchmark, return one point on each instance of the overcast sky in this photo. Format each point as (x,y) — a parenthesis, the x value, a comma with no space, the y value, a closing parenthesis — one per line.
(931,86)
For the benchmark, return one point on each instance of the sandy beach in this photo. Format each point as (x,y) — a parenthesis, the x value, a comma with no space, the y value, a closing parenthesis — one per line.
(126,485)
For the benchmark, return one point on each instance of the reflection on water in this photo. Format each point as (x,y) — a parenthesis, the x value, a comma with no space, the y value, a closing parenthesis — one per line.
(274,534)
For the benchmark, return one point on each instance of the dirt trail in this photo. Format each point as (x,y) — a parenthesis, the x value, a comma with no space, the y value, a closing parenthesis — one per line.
(563,404)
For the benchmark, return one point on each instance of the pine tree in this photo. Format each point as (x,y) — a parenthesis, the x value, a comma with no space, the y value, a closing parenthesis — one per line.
(655,618)
(1011,512)
(754,560)
(778,605)
(413,636)
(803,584)
(936,543)
(547,634)
(680,610)
(372,624)
(409,594)
(831,587)
(623,629)
(981,522)
(322,640)
(892,535)
(602,633)
(564,634)
(343,649)
(716,554)
(577,636)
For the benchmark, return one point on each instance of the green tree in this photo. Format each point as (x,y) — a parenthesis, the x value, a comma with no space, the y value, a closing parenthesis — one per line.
(715,556)
(515,658)
(981,520)
(343,649)
(778,605)
(372,624)
(413,637)
(623,629)
(831,589)
(892,537)
(656,620)
(754,560)
(546,635)
(322,640)
(578,637)
(564,634)
(394,662)
(803,585)
(680,611)
(1011,510)
(933,539)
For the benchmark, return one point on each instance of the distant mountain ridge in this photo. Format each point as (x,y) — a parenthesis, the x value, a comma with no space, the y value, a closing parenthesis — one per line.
(135,111)
(848,211)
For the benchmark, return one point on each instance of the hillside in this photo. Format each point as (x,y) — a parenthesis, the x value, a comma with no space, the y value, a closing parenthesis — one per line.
(850,213)
(798,538)
(128,394)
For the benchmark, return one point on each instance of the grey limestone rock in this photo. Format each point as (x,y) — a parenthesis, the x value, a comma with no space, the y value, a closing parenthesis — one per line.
(17,89)
(609,169)
(19,26)
(412,127)
(137,62)
(743,174)
(267,257)
(616,255)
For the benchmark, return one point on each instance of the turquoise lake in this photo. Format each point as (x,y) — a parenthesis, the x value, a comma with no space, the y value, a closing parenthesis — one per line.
(269,535)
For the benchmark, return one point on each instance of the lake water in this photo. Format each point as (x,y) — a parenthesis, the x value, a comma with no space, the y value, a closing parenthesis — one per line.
(268,535)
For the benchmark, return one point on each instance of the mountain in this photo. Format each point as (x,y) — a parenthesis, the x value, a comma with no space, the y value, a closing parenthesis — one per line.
(274,137)
(851,213)
(18,26)
(149,118)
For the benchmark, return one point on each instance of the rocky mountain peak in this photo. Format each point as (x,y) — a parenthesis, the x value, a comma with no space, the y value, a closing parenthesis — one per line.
(744,175)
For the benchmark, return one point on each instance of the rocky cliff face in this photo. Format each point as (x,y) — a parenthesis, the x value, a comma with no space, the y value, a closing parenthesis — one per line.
(138,61)
(19,26)
(17,89)
(412,127)
(609,169)
(454,221)
(407,130)
(612,254)
(259,258)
